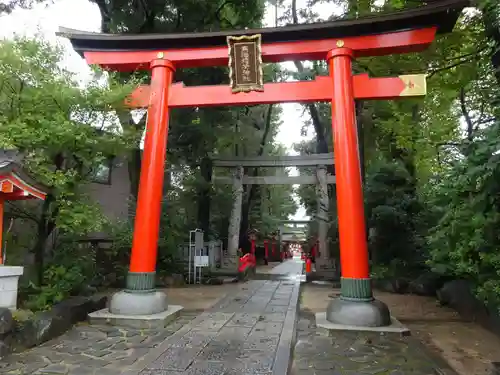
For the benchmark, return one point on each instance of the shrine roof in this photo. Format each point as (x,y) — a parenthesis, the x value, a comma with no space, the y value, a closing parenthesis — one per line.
(442,14)
(11,167)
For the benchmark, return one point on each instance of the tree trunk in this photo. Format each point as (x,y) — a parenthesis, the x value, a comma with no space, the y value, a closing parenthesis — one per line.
(41,239)
(235,220)
(244,242)
(204,196)
(134,171)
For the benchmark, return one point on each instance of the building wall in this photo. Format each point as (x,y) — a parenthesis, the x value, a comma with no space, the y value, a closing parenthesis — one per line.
(113,197)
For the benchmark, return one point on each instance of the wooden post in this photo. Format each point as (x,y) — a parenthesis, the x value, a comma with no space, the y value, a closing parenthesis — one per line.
(352,232)
(142,272)
(234,224)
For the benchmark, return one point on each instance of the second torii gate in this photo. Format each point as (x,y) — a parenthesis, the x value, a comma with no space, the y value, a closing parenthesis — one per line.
(321,179)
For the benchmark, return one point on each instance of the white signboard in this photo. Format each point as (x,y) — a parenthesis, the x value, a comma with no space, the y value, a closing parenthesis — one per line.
(201,261)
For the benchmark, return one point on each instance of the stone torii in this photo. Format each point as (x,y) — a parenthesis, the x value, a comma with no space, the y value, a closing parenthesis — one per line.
(321,179)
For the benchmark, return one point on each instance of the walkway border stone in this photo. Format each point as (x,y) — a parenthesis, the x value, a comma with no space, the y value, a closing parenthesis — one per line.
(284,353)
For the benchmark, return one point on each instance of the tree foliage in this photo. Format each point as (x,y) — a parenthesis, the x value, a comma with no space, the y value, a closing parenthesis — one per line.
(63,130)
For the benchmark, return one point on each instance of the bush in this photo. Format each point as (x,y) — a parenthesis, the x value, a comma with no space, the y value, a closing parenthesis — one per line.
(393,213)
(70,272)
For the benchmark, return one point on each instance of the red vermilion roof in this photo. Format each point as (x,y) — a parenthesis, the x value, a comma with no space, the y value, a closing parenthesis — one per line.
(15,183)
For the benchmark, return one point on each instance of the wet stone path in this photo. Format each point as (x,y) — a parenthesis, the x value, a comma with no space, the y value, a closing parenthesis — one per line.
(252,331)
(90,350)
(361,353)
(249,332)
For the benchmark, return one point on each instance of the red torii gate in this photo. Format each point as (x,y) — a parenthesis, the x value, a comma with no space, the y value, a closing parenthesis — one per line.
(338,42)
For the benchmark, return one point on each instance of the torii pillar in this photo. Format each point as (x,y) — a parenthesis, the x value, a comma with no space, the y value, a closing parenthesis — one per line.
(356,305)
(140,296)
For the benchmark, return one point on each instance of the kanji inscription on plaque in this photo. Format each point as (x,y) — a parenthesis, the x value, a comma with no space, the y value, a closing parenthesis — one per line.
(245,63)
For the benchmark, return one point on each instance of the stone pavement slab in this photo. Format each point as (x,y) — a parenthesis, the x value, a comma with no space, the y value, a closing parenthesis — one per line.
(246,332)
(250,332)
(90,350)
(361,353)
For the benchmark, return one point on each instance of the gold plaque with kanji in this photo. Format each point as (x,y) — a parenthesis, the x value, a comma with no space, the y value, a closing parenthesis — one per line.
(245,63)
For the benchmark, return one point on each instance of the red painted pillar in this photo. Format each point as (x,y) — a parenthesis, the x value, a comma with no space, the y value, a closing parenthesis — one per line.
(266,249)
(147,220)
(350,207)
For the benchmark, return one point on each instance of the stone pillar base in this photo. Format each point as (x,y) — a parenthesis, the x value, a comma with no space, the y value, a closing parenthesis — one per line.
(150,321)
(356,305)
(133,303)
(372,313)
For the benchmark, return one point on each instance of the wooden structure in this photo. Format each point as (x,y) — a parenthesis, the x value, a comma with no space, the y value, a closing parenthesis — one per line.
(15,184)
(339,43)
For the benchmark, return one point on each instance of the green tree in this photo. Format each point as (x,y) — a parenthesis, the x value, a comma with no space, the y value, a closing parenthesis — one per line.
(65,131)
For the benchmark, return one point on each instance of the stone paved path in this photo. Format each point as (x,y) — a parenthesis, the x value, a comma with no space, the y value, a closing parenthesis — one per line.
(252,331)
(90,350)
(249,332)
(361,353)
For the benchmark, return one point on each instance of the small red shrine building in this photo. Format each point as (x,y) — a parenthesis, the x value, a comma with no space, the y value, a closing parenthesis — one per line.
(15,184)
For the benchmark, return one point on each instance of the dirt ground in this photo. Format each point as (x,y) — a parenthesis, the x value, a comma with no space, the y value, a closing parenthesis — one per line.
(468,348)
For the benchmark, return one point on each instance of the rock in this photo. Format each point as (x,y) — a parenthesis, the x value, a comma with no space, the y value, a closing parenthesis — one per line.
(458,294)
(495,370)
(5,348)
(174,280)
(426,284)
(6,321)
(46,325)
(401,286)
